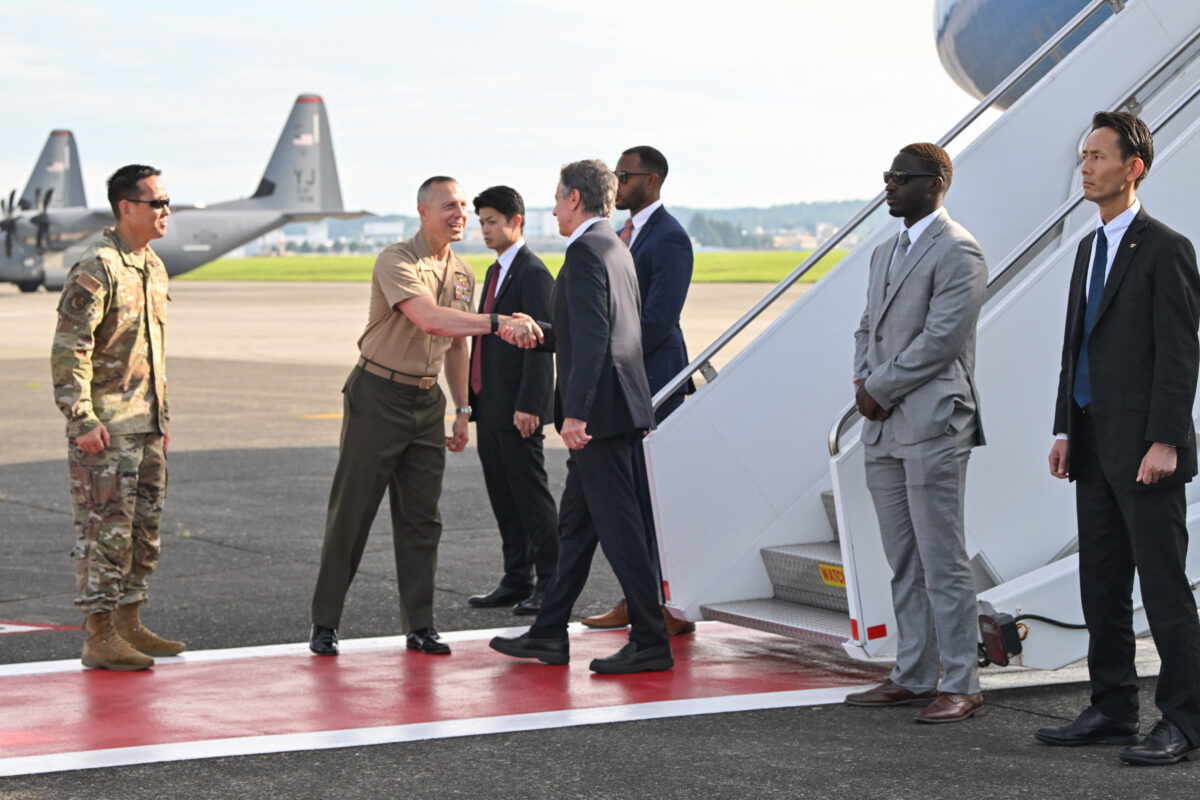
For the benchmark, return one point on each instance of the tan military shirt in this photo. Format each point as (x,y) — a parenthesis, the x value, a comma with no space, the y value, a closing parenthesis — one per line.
(107,358)
(402,271)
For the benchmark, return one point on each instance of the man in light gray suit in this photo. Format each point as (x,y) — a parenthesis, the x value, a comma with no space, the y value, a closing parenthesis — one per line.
(914,363)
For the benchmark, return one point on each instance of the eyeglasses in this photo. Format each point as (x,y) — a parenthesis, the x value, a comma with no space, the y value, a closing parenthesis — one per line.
(623,176)
(899,177)
(157,203)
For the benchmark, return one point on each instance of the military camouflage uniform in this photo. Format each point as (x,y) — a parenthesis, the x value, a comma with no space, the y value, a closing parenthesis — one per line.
(107,366)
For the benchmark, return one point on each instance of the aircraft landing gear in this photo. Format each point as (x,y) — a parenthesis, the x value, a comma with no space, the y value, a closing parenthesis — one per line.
(28,286)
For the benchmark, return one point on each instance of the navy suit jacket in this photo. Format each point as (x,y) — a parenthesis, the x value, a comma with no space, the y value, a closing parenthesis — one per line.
(596,337)
(515,379)
(662,254)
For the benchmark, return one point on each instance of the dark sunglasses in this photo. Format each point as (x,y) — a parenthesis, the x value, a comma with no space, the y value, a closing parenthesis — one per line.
(623,176)
(899,177)
(157,204)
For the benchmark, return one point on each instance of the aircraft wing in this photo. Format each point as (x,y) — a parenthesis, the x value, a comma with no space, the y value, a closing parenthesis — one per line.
(317,216)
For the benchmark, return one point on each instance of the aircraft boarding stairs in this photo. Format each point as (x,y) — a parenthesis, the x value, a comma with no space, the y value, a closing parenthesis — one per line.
(760,527)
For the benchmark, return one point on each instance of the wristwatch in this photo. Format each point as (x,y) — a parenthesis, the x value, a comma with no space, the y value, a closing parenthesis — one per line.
(463,410)
(495,322)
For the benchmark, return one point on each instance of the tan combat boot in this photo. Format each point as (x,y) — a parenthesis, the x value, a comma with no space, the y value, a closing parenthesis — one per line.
(105,648)
(131,629)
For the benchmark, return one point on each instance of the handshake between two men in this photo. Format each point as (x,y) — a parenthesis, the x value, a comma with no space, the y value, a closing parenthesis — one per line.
(521,330)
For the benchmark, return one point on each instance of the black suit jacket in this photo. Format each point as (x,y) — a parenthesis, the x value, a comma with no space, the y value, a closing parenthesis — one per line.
(515,379)
(595,333)
(1143,353)
(662,255)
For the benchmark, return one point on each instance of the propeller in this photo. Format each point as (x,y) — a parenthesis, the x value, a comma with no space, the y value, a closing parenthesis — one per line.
(42,220)
(9,223)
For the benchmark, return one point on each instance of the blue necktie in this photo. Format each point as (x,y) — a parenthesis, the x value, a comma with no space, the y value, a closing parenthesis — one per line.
(1083,374)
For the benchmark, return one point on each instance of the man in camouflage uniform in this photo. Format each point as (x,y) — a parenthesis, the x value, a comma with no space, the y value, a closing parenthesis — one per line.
(109,381)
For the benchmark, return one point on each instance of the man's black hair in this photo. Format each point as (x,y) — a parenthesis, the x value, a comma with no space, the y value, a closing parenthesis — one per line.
(123,184)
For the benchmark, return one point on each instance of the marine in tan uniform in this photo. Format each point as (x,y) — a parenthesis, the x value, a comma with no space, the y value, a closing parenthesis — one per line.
(393,433)
(110,382)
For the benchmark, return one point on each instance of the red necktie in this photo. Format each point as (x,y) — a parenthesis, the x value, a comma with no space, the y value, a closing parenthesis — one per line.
(627,232)
(489,302)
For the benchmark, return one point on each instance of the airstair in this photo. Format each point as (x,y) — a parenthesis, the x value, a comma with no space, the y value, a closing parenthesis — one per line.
(763,515)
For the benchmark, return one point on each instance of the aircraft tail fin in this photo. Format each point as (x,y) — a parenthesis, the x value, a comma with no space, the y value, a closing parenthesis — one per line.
(57,172)
(301,176)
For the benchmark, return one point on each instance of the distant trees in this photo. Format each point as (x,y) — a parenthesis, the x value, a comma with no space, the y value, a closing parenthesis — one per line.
(718,233)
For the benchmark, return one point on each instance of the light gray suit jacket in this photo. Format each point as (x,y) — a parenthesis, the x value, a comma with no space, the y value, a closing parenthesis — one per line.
(915,344)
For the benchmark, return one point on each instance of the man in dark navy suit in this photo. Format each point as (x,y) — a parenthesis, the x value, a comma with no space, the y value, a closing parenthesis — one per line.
(1125,435)
(602,409)
(662,254)
(511,396)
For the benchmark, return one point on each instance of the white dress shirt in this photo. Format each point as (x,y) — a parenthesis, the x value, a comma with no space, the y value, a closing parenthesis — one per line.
(1113,232)
(505,259)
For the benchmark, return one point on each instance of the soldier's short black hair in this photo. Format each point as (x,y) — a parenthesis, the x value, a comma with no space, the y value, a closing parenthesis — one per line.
(504,199)
(653,160)
(423,191)
(1133,137)
(123,184)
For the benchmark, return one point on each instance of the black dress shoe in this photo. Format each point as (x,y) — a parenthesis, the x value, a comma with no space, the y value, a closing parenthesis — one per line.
(630,659)
(530,605)
(1166,744)
(1090,727)
(500,596)
(323,641)
(427,641)
(549,651)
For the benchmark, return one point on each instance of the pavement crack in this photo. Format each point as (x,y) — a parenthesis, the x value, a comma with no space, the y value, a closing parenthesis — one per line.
(1031,712)
(51,509)
(239,548)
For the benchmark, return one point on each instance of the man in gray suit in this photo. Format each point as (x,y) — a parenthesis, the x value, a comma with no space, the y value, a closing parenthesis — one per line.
(914,362)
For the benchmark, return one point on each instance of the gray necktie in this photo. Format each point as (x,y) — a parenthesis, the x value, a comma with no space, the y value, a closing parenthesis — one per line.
(898,254)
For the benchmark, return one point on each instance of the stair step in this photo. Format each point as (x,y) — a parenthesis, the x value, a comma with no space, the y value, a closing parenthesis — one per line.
(807,623)
(830,511)
(810,574)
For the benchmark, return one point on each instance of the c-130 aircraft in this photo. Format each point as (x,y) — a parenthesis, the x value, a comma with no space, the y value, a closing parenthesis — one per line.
(46,230)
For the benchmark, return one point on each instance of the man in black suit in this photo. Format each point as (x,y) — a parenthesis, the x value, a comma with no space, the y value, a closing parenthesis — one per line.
(602,408)
(1124,430)
(511,396)
(662,256)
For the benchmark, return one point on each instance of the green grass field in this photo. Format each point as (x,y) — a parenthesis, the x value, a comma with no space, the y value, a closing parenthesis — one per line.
(758,266)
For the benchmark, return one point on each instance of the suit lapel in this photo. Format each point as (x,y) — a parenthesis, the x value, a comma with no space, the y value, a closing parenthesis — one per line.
(508,276)
(1125,253)
(901,270)
(487,278)
(1077,299)
(878,277)
(644,233)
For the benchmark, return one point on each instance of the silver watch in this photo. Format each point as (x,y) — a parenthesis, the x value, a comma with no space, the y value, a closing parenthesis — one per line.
(463,410)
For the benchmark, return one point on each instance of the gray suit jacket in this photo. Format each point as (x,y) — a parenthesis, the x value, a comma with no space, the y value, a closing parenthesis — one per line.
(915,344)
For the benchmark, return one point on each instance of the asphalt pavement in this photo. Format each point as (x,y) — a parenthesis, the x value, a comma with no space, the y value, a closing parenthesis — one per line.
(254,448)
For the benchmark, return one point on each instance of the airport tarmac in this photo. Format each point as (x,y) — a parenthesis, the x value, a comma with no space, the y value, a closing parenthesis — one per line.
(255,372)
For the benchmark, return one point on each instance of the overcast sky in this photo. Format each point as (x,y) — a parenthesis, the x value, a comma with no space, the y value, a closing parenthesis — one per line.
(754,102)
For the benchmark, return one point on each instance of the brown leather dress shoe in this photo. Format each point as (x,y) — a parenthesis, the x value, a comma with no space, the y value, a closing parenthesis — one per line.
(617,618)
(888,694)
(952,708)
(677,626)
